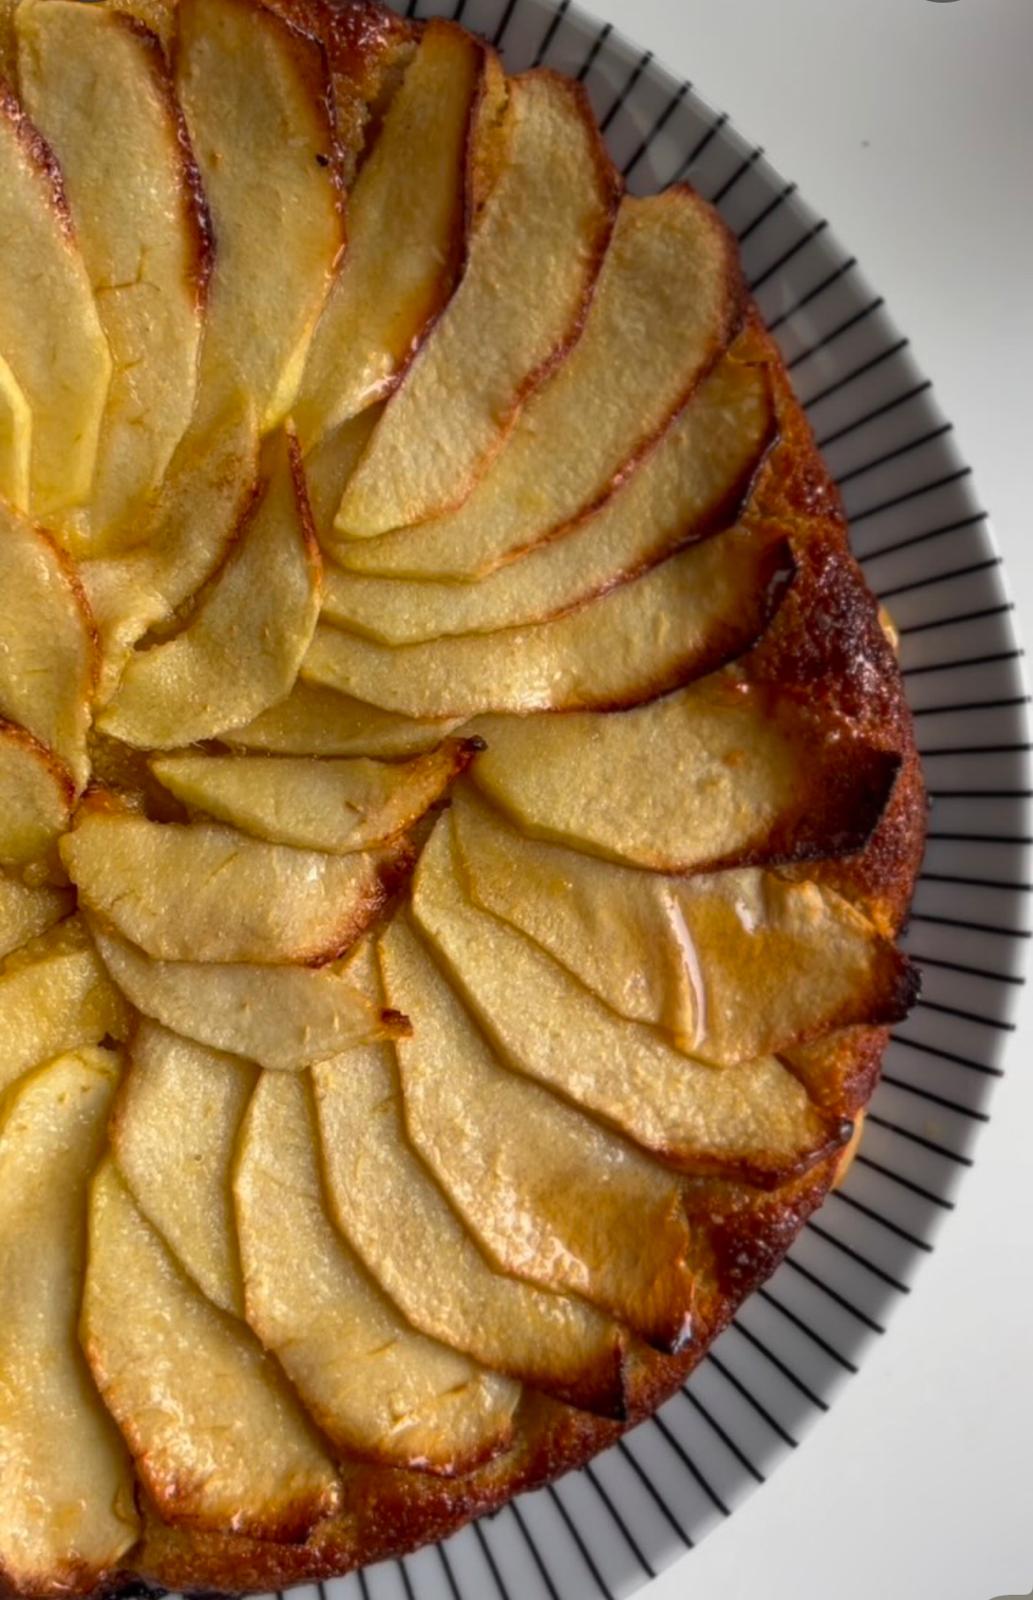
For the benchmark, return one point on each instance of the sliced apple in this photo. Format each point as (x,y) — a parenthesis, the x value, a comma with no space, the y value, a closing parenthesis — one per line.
(722,773)
(15,437)
(281,1017)
(97,85)
(173,1134)
(406,220)
(685,617)
(335,806)
(555,1342)
(186,534)
(28,910)
(694,479)
(532,261)
(733,966)
(54,996)
(36,794)
(47,645)
(665,307)
(376,1388)
(313,721)
(198,892)
(553,1197)
(753,1118)
(217,1438)
(66,1491)
(44,286)
(330,463)
(241,649)
(255,92)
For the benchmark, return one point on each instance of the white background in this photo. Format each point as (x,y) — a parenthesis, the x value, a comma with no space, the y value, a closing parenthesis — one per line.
(909,124)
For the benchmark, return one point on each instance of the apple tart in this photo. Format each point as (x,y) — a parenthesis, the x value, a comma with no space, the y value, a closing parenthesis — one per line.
(458,796)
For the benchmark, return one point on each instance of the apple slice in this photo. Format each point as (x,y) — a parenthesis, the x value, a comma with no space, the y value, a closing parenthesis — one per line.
(217,1438)
(752,1119)
(48,656)
(54,996)
(241,649)
(66,1491)
(284,1018)
(28,910)
(693,480)
(406,221)
(733,966)
(667,302)
(313,721)
(335,806)
(376,1388)
(186,535)
(36,794)
(554,1342)
(532,261)
(330,463)
(198,892)
(44,286)
(553,1197)
(97,86)
(255,92)
(696,610)
(15,440)
(173,1134)
(722,773)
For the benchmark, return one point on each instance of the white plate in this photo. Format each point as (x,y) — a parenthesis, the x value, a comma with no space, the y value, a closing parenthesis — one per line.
(929,554)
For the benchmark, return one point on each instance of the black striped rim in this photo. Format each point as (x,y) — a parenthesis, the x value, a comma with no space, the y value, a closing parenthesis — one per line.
(928,551)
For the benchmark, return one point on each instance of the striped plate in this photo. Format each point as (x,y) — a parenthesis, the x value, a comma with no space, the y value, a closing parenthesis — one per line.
(930,556)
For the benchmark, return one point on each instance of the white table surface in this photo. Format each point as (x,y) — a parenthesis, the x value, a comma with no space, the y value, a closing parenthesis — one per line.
(909,124)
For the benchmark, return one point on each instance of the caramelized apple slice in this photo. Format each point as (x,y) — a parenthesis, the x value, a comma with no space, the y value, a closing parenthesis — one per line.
(733,965)
(44,287)
(555,1342)
(15,440)
(36,794)
(405,235)
(173,1134)
(722,773)
(217,1438)
(47,649)
(66,1490)
(553,1197)
(255,92)
(665,306)
(376,1388)
(313,721)
(692,613)
(28,910)
(753,1119)
(54,996)
(198,892)
(330,463)
(98,87)
(186,534)
(280,1017)
(335,806)
(693,479)
(532,261)
(241,649)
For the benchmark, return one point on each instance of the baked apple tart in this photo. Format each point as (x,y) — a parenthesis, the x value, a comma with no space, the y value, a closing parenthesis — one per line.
(458,799)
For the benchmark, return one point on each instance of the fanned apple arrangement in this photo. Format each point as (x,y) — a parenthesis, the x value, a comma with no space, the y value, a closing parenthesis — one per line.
(458,800)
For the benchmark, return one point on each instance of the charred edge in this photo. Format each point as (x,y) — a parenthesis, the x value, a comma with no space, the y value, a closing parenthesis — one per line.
(396,1024)
(195,202)
(39,156)
(309,536)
